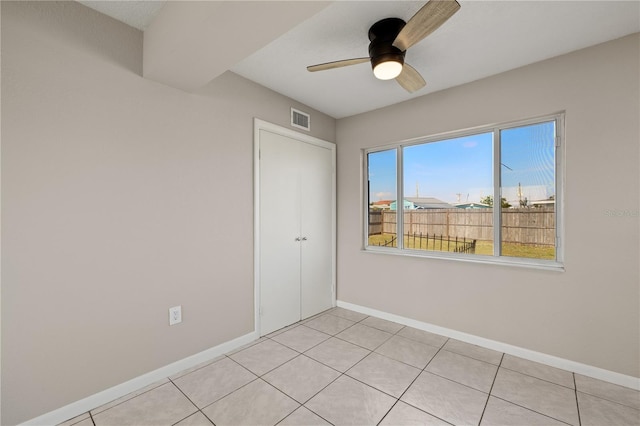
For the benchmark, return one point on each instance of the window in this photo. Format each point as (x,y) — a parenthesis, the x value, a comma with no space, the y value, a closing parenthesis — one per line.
(448,185)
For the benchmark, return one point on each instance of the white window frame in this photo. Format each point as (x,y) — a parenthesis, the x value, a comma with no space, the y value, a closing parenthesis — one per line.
(496,258)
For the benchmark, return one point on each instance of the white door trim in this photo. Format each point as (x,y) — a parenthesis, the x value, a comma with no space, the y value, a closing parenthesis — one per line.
(283,131)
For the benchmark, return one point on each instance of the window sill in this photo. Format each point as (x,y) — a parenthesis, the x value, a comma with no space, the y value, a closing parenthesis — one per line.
(548,265)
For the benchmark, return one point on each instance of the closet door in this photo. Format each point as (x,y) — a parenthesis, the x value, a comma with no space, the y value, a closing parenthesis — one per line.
(295,218)
(279,231)
(316,184)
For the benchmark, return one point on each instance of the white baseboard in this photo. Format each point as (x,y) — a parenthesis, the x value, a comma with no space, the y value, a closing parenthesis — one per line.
(96,400)
(550,360)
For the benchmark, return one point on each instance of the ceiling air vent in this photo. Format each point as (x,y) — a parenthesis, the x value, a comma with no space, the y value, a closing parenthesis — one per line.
(300,119)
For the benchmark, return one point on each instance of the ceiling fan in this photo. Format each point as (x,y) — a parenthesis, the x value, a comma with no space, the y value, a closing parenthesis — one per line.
(391,37)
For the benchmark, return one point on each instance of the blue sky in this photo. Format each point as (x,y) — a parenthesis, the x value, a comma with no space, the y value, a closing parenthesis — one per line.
(529,153)
(460,169)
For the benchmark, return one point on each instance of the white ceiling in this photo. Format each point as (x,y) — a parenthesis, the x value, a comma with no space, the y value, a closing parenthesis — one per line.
(484,38)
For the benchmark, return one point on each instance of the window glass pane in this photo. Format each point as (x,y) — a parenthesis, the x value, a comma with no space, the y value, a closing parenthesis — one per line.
(446,185)
(382,178)
(528,191)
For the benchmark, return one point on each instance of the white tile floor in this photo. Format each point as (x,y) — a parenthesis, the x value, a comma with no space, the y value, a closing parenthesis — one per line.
(345,368)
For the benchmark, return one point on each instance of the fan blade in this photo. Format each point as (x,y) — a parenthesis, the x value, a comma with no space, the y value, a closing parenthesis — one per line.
(425,21)
(410,79)
(337,64)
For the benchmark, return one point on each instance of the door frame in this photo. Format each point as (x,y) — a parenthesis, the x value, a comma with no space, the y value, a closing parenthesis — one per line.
(259,125)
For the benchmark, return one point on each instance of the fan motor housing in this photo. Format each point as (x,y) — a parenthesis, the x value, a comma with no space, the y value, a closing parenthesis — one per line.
(382,34)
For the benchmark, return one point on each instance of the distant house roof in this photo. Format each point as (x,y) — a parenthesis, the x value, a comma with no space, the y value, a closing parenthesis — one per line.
(428,203)
(380,205)
(407,205)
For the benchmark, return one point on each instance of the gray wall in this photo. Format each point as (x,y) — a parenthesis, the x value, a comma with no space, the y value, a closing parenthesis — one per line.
(121,197)
(588,314)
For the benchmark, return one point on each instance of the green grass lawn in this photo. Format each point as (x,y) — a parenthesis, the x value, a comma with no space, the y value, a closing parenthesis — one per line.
(482,247)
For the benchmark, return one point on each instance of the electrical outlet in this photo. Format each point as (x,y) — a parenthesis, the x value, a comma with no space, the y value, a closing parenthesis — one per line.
(175,315)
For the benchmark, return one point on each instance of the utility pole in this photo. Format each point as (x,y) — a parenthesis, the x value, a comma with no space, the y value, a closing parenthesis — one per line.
(519,194)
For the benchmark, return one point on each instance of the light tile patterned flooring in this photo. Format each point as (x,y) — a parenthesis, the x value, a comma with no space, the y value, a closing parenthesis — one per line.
(345,368)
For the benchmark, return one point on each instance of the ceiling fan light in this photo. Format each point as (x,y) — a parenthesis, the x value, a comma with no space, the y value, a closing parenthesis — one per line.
(387,70)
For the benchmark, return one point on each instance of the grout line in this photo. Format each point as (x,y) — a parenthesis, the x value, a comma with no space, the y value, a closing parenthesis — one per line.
(185,418)
(421,371)
(435,355)
(326,386)
(206,417)
(302,404)
(186,396)
(268,371)
(310,410)
(605,398)
(530,409)
(298,355)
(367,384)
(539,378)
(471,356)
(575,387)
(288,415)
(522,406)
(396,360)
(360,346)
(193,369)
(349,319)
(364,347)
(226,395)
(314,395)
(491,389)
(338,332)
(387,413)
(308,349)
(91,417)
(414,380)
(285,394)
(381,391)
(333,368)
(128,397)
(419,341)
(456,382)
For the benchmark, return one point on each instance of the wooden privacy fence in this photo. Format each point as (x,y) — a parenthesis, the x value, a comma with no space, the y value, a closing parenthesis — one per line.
(534,226)
(376,225)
